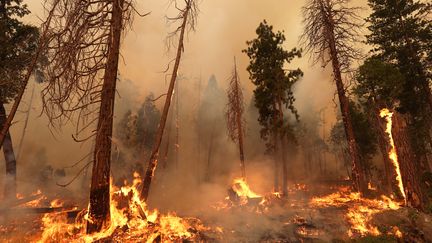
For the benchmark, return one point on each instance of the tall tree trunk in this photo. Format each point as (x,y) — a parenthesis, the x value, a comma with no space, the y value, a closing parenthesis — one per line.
(276,164)
(358,174)
(407,162)
(384,147)
(11,172)
(239,122)
(99,210)
(276,157)
(283,141)
(151,167)
(283,138)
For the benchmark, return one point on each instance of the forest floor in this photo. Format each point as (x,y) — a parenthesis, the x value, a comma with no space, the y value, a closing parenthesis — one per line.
(324,213)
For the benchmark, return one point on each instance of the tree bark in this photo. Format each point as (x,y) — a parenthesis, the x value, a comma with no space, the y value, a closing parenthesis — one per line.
(11,168)
(99,209)
(358,174)
(407,162)
(283,152)
(239,122)
(384,148)
(151,167)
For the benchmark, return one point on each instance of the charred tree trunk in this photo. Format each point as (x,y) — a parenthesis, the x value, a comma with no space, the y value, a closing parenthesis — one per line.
(11,169)
(240,126)
(384,148)
(407,162)
(358,173)
(152,163)
(283,151)
(276,157)
(99,209)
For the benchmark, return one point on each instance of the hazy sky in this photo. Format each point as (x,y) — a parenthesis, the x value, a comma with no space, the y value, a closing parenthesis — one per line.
(223,28)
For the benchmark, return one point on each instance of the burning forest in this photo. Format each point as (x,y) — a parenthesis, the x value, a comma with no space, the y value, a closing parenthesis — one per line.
(216,121)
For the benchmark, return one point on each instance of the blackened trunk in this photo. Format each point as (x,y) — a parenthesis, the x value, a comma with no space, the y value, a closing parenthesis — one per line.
(358,174)
(407,162)
(11,169)
(238,109)
(384,146)
(152,163)
(99,209)
(283,151)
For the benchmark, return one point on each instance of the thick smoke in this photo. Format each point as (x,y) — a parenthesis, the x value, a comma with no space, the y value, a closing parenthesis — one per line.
(223,28)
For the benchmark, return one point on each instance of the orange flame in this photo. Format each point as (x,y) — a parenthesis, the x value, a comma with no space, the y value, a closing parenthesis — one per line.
(243,190)
(392,154)
(131,222)
(360,210)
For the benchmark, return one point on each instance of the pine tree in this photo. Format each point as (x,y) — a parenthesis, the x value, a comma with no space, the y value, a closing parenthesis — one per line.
(401,34)
(274,90)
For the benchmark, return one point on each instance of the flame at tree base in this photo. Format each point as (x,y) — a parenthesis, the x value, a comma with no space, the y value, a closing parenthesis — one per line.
(130,221)
(392,154)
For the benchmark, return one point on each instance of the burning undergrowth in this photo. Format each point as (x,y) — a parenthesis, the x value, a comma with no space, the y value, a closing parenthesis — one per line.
(130,221)
(308,213)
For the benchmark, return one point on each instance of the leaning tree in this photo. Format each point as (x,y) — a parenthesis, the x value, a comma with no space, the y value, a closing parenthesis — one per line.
(187,16)
(82,49)
(330,31)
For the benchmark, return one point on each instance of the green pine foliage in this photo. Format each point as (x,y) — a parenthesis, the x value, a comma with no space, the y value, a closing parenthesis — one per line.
(18,44)
(401,35)
(273,81)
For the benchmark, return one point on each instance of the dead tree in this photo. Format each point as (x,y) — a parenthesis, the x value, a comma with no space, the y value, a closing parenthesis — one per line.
(234,115)
(330,31)
(83,53)
(188,17)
